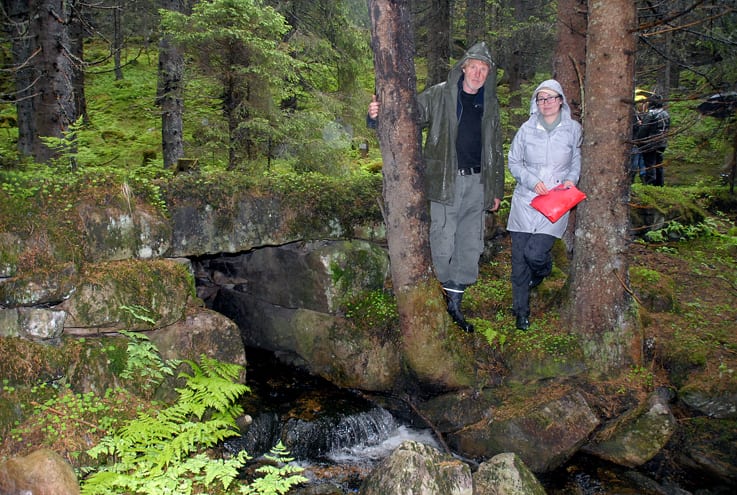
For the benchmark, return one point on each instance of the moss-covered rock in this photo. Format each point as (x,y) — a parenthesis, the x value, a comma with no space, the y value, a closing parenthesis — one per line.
(130,294)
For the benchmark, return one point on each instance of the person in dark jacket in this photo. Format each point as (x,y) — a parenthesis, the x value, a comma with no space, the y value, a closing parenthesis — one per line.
(652,136)
(637,162)
(545,153)
(464,169)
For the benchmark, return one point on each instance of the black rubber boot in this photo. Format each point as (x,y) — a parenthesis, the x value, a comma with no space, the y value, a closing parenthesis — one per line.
(522,322)
(454,298)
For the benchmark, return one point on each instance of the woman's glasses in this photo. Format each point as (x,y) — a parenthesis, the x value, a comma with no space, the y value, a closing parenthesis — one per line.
(549,99)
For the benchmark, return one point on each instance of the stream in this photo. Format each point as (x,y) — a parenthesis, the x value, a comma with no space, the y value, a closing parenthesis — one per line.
(338,437)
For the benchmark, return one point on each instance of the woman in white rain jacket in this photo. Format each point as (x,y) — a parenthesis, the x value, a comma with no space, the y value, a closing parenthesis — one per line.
(545,153)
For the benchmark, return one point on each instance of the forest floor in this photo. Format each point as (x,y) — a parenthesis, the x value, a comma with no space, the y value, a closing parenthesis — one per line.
(685,292)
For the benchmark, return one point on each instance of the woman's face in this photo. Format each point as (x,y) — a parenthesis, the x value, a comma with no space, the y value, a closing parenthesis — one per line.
(548,103)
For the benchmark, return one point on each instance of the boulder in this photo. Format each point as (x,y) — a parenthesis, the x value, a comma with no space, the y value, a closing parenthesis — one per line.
(454,410)
(42,472)
(201,331)
(417,469)
(127,295)
(708,448)
(544,437)
(288,300)
(203,228)
(316,275)
(41,324)
(123,230)
(709,401)
(323,344)
(9,324)
(506,474)
(635,437)
(45,285)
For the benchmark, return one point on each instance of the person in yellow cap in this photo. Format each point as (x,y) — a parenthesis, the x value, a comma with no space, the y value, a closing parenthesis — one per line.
(637,162)
(652,137)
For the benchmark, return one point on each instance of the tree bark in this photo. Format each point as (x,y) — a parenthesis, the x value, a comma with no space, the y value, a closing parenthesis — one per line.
(601,309)
(438,42)
(476,21)
(55,107)
(569,65)
(19,15)
(117,40)
(77,34)
(432,358)
(569,62)
(169,93)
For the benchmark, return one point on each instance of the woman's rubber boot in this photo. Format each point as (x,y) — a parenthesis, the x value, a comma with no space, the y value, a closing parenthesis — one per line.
(454,298)
(523,322)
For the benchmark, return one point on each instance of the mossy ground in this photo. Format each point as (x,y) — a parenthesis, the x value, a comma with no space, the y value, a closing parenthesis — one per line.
(685,291)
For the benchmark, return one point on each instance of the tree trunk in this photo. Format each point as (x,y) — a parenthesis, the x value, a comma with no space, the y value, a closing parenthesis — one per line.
(601,310)
(19,15)
(476,22)
(76,41)
(569,65)
(55,108)
(169,94)
(569,62)
(438,42)
(117,40)
(424,324)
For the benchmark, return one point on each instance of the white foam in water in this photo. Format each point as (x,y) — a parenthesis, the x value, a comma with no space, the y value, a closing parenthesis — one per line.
(374,452)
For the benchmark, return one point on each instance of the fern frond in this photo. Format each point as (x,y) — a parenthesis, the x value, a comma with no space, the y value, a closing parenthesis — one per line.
(163,452)
(276,479)
(224,470)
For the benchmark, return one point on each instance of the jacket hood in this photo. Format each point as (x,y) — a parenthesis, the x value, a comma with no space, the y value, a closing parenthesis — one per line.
(479,51)
(555,86)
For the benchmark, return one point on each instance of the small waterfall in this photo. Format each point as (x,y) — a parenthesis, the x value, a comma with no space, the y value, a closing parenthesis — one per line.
(357,438)
(335,434)
(363,429)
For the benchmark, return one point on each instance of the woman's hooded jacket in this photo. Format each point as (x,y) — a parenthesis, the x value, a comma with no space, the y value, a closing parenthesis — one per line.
(439,111)
(536,155)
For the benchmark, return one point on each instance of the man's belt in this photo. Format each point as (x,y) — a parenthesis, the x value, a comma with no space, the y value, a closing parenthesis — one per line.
(469,170)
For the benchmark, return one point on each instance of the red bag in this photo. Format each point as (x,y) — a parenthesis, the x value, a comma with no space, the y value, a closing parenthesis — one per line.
(558,201)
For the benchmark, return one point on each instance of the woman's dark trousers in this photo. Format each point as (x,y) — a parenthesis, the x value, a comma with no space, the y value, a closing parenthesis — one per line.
(532,261)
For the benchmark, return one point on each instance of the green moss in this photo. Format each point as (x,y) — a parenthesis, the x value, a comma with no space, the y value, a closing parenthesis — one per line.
(372,311)
(133,283)
(318,200)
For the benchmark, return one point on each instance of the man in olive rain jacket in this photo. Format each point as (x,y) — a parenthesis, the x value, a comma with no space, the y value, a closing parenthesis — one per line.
(464,169)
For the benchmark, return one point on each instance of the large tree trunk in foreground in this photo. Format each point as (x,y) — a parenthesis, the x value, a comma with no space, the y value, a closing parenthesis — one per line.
(569,66)
(424,323)
(601,309)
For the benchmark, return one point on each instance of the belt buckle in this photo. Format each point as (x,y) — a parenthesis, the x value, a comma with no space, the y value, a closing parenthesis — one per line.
(469,171)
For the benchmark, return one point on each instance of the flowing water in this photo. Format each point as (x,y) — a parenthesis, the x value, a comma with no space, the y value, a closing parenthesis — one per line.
(339,437)
(336,435)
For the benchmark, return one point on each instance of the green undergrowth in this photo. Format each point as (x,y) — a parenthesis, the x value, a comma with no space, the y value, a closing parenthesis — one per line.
(120,442)
(373,310)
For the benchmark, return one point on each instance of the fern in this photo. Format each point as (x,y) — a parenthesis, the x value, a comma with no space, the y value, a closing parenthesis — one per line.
(278,478)
(163,452)
(144,361)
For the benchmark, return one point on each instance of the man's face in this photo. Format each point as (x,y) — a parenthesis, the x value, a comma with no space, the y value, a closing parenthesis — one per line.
(475,74)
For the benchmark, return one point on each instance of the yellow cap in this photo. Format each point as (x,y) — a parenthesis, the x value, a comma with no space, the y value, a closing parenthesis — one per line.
(641,95)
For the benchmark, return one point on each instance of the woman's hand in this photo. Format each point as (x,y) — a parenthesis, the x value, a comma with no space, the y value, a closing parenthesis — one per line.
(568,184)
(540,188)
